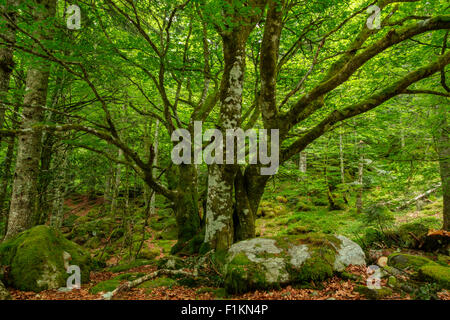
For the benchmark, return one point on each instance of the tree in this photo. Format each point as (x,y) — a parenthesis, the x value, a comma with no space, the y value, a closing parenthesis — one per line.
(178,60)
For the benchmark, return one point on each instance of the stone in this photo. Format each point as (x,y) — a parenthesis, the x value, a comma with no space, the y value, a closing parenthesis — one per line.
(263,263)
(349,253)
(37,259)
(407,261)
(436,273)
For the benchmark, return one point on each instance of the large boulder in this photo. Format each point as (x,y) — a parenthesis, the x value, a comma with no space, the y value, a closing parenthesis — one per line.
(263,263)
(38,258)
(426,269)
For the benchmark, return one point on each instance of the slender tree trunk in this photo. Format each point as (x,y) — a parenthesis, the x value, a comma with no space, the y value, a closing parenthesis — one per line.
(116,186)
(29,143)
(443,149)
(155,163)
(60,189)
(359,197)
(341,157)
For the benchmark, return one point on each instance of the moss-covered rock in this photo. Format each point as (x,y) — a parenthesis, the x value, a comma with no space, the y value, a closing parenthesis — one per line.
(408,261)
(38,259)
(105,286)
(436,273)
(263,263)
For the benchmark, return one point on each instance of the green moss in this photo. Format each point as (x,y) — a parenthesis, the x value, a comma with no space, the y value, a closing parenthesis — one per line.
(105,286)
(131,265)
(149,254)
(404,261)
(129,276)
(243,275)
(436,273)
(317,268)
(159,282)
(37,254)
(313,238)
(374,294)
(170,262)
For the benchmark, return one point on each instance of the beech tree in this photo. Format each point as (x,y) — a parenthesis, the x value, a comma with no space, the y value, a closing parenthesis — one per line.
(264,64)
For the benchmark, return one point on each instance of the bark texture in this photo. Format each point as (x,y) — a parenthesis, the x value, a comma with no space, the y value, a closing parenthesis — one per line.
(29,141)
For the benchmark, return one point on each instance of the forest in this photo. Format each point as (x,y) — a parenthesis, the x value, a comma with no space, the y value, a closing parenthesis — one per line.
(224,150)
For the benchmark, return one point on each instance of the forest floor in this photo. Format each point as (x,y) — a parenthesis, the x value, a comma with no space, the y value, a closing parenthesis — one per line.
(277,211)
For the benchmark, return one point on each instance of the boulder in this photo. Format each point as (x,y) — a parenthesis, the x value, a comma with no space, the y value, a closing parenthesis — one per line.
(37,259)
(264,263)
(436,273)
(407,261)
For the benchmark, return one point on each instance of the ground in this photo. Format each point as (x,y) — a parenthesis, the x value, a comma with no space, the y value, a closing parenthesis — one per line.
(86,224)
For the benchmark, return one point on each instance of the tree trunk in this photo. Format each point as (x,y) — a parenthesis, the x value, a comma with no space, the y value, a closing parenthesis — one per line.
(219,207)
(155,163)
(443,150)
(341,157)
(60,189)
(6,57)
(359,200)
(116,186)
(29,143)
(186,210)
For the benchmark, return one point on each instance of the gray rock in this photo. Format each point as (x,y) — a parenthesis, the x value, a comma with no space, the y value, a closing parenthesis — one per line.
(258,250)
(262,263)
(350,253)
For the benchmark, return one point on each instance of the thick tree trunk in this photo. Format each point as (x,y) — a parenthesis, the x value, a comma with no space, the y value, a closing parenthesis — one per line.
(186,210)
(219,207)
(6,56)
(29,142)
(249,189)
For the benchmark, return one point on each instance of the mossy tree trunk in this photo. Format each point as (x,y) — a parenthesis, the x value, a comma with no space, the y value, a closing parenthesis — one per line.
(29,142)
(186,208)
(443,146)
(6,55)
(219,207)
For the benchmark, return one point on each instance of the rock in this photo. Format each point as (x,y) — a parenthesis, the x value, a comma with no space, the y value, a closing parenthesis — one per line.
(382,261)
(4,293)
(263,263)
(374,294)
(407,261)
(37,259)
(436,273)
(392,281)
(349,253)
(392,271)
